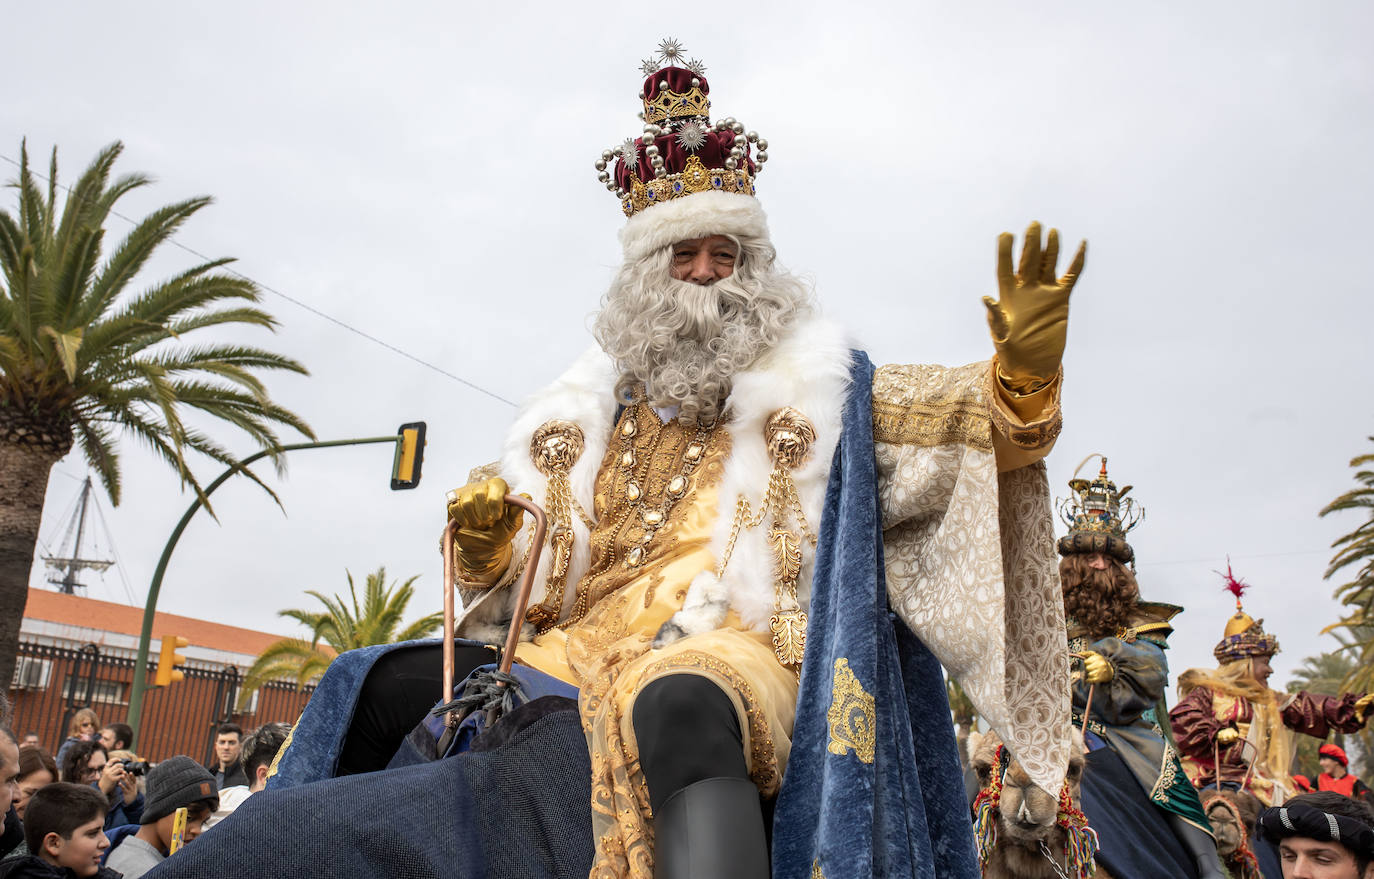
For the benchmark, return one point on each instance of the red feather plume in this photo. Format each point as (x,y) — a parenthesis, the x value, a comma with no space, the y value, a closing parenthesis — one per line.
(1233,585)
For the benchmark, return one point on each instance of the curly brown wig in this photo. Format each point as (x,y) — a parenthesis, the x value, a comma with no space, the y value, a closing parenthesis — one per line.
(1100,601)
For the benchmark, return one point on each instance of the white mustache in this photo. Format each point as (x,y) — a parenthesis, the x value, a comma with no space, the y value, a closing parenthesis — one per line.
(701,312)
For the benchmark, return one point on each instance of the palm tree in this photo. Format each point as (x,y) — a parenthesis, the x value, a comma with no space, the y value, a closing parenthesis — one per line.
(1357,548)
(85,360)
(343,625)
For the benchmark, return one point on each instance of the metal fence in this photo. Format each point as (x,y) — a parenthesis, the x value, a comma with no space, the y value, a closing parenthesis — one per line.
(51,683)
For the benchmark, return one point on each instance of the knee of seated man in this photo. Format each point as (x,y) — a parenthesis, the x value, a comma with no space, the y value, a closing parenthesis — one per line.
(685,701)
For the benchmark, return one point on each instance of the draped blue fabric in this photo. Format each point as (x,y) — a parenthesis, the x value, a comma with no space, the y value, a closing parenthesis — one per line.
(518,811)
(319,734)
(903,814)
(1135,837)
(421,745)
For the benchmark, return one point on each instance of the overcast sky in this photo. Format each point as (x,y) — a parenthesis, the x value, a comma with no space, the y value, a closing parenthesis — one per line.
(423,172)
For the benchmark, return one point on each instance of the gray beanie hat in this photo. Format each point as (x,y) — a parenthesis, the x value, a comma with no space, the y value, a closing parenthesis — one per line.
(176,782)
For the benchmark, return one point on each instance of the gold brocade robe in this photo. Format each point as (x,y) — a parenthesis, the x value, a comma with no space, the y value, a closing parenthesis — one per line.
(606,653)
(967,540)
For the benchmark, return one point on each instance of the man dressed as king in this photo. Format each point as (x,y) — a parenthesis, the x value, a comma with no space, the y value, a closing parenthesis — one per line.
(737,497)
(1235,732)
(761,551)
(1147,815)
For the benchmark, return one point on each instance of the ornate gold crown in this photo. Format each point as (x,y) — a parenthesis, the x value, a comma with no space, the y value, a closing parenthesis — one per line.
(1098,516)
(668,104)
(680,152)
(1244,635)
(693,179)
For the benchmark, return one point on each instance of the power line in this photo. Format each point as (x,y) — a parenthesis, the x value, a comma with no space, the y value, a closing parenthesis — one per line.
(310,308)
(114,550)
(1261,555)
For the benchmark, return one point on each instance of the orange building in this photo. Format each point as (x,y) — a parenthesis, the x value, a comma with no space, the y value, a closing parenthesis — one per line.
(79,652)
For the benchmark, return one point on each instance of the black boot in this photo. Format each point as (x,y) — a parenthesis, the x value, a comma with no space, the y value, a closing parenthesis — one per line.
(1201,847)
(711,829)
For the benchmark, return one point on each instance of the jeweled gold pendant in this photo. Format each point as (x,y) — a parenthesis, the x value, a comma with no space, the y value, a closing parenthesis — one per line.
(789,636)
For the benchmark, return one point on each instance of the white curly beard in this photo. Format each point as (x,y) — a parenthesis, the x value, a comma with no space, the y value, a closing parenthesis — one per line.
(685,342)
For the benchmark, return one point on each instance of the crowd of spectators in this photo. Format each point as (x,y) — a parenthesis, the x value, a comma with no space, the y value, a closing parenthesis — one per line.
(97,810)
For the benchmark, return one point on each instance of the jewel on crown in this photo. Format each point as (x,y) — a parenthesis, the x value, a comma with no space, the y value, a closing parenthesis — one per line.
(680,152)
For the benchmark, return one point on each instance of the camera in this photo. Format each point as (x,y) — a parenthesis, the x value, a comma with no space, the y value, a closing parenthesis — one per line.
(135,767)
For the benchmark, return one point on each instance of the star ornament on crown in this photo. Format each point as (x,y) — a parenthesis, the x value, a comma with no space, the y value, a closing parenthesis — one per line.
(1099,516)
(680,152)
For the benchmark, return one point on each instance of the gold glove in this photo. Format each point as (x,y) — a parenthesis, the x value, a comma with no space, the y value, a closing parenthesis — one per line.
(486,527)
(1096,668)
(1362,705)
(1030,320)
(1227,735)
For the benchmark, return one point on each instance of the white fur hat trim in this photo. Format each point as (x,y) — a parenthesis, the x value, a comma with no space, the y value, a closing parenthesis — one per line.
(692,216)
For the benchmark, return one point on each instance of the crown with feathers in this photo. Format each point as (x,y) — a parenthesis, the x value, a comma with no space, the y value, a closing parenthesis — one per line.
(1244,635)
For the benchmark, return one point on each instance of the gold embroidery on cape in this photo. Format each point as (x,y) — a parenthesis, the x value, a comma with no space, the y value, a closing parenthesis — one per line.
(852,716)
(906,412)
(1030,437)
(1168,774)
(816,869)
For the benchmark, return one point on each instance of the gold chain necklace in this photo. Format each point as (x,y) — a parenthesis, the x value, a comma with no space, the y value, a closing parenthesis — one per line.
(652,518)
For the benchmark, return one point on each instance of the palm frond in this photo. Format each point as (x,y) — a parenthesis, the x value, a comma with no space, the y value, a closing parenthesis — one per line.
(421,628)
(345,623)
(134,251)
(80,348)
(97,446)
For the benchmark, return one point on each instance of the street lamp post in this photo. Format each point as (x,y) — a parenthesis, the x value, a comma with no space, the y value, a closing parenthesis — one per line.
(146,636)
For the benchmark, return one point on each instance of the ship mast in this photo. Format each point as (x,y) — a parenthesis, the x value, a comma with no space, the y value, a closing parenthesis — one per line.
(63,571)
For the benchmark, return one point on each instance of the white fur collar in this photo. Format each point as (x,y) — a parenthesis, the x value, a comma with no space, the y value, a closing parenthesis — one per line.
(809,371)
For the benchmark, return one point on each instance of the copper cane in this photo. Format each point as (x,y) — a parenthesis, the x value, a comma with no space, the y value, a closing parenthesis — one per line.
(1087,708)
(522,600)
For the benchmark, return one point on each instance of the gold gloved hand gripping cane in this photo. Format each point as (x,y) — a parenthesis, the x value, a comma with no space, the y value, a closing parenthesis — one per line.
(522,600)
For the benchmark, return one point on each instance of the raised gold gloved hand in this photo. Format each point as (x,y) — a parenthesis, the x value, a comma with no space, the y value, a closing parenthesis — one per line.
(486,527)
(1362,706)
(1227,735)
(1096,668)
(1030,319)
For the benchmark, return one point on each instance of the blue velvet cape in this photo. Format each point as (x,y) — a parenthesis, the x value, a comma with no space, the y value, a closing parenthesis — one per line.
(903,814)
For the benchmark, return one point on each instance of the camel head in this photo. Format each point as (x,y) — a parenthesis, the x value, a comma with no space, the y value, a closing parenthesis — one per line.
(1026,815)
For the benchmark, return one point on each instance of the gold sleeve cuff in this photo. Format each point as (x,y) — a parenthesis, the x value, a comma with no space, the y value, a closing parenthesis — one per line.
(1025,426)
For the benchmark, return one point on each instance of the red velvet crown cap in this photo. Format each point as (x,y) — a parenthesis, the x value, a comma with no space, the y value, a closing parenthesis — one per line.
(712,153)
(679,80)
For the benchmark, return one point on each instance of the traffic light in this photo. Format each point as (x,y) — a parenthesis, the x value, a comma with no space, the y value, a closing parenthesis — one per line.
(410,453)
(169,659)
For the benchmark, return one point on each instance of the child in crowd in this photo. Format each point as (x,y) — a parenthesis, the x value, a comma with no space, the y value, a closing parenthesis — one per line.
(64,827)
(173,783)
